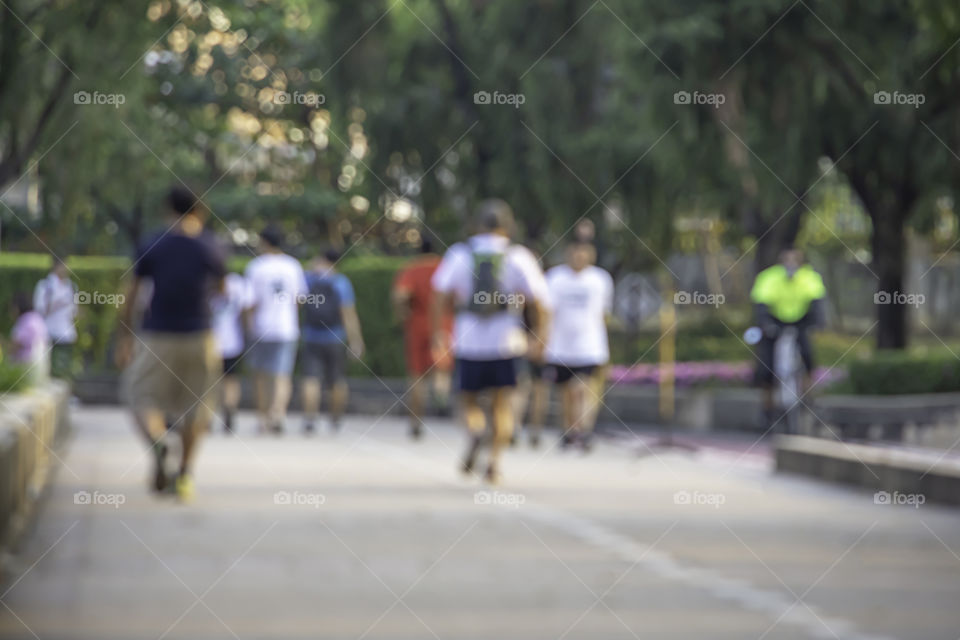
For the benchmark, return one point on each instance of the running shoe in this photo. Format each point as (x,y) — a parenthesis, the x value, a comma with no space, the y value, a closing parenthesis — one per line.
(184,487)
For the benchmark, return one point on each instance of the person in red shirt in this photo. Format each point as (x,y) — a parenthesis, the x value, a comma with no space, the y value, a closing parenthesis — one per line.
(412,294)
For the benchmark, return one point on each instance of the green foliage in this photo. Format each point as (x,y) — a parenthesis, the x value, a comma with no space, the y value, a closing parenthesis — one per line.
(13,377)
(372,277)
(96,276)
(894,372)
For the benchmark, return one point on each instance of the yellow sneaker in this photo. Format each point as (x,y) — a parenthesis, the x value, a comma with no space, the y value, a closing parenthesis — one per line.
(184,486)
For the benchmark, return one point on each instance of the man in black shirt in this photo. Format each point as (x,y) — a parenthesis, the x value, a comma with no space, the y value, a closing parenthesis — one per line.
(174,364)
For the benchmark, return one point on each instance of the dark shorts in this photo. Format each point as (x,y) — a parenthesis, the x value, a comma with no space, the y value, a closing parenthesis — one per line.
(231,366)
(764,354)
(477,375)
(561,374)
(324,359)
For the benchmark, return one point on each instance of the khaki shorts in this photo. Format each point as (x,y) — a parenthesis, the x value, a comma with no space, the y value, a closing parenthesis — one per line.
(175,373)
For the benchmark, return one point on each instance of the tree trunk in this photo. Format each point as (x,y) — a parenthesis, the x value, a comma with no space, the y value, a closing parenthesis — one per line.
(889,258)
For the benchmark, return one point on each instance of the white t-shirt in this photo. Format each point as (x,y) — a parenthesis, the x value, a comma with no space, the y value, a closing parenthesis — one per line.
(499,335)
(55,300)
(276,281)
(579,303)
(227,308)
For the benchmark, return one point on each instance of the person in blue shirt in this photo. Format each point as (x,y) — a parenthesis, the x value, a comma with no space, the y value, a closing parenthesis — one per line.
(330,327)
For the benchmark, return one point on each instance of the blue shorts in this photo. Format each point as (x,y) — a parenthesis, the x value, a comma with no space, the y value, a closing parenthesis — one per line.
(477,375)
(274,358)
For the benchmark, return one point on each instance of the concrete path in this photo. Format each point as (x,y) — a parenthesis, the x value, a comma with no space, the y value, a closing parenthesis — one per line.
(366,535)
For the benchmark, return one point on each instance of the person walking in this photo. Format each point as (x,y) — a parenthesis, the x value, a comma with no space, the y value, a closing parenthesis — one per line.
(330,325)
(55,299)
(30,342)
(172,371)
(412,296)
(488,281)
(229,310)
(581,299)
(277,284)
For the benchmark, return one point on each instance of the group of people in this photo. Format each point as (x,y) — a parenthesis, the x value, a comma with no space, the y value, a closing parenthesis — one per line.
(475,315)
(199,321)
(483,318)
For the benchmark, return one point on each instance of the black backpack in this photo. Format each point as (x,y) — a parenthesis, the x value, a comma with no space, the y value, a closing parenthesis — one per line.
(322,306)
(488,295)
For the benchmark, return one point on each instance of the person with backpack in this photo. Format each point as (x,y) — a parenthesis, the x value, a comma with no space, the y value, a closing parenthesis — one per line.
(330,325)
(489,282)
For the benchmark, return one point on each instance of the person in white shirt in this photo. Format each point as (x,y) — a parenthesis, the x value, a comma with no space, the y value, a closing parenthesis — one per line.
(488,281)
(229,308)
(277,284)
(581,299)
(55,298)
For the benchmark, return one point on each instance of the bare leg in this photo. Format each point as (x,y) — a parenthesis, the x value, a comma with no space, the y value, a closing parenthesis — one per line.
(476,424)
(151,424)
(190,434)
(418,400)
(567,411)
(539,396)
(230,399)
(310,392)
(521,399)
(262,387)
(338,401)
(282,387)
(442,383)
(503,415)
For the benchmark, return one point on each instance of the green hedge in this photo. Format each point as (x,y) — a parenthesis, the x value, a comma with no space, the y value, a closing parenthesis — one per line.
(372,277)
(12,377)
(92,274)
(891,372)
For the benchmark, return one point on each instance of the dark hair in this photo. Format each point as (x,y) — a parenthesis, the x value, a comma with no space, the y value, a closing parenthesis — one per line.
(426,244)
(181,200)
(22,302)
(331,255)
(493,214)
(272,236)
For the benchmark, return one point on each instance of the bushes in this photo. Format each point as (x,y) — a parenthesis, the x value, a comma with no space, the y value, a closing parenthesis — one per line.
(13,377)
(891,372)
(96,276)
(372,278)
(101,276)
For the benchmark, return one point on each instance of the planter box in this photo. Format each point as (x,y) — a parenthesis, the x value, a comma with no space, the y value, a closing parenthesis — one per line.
(885,469)
(31,423)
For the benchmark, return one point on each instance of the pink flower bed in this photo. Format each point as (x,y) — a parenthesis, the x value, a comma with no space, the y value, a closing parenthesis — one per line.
(693,373)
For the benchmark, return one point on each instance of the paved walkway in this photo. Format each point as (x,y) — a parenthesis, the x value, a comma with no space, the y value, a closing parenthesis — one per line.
(365,535)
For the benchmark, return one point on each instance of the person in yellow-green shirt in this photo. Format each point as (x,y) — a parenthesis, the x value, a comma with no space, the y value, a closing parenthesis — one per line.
(789,293)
